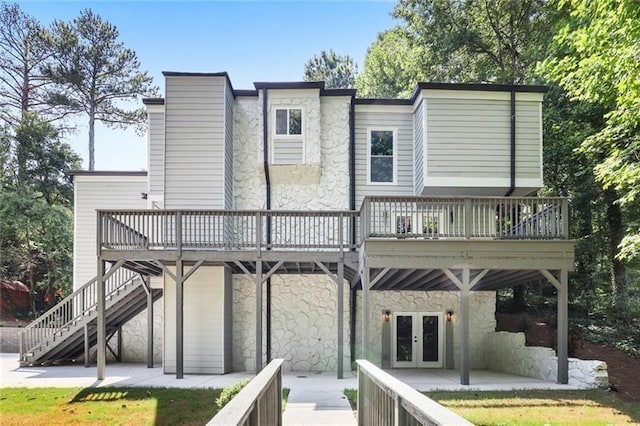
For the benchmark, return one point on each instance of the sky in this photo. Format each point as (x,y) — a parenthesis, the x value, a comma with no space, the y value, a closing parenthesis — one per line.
(251,40)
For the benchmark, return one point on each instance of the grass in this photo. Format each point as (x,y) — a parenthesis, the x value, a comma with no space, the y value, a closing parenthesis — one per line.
(592,407)
(107,406)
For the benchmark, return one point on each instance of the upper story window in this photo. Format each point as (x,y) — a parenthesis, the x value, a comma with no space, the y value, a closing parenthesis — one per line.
(288,138)
(289,121)
(382,156)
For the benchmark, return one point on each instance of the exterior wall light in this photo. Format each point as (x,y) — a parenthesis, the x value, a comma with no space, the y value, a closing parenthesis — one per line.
(449,315)
(386,316)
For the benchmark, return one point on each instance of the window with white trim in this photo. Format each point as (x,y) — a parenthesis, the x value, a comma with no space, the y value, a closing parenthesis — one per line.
(288,137)
(382,150)
(288,121)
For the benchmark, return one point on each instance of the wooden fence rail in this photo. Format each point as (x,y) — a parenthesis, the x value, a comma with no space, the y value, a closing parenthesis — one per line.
(386,401)
(258,403)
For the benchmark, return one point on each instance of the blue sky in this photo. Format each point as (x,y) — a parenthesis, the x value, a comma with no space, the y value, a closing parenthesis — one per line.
(251,40)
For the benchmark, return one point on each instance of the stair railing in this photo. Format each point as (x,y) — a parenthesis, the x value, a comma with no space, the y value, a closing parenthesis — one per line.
(69,310)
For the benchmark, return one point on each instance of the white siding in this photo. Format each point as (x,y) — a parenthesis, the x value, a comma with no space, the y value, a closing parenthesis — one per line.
(468,138)
(287,151)
(387,116)
(204,315)
(194,138)
(99,192)
(156,152)
(418,150)
(468,143)
(228,148)
(528,140)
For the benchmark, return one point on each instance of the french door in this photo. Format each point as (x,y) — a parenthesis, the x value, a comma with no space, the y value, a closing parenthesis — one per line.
(417,340)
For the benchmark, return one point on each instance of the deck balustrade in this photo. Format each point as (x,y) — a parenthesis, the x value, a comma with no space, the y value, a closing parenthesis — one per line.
(379,217)
(385,400)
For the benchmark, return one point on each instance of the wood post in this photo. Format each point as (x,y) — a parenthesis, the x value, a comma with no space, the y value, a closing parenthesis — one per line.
(87,347)
(563,329)
(102,330)
(340,291)
(179,320)
(464,327)
(147,283)
(258,282)
(365,313)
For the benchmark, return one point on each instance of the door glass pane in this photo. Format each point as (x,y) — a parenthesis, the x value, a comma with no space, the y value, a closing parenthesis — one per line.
(429,338)
(404,338)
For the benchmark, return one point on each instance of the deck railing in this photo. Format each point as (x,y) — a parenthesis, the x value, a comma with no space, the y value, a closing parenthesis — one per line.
(385,400)
(70,309)
(379,217)
(226,229)
(258,403)
(465,217)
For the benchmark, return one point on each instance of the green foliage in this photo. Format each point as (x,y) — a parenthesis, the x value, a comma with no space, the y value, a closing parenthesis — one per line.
(596,61)
(337,71)
(231,391)
(392,67)
(36,225)
(98,74)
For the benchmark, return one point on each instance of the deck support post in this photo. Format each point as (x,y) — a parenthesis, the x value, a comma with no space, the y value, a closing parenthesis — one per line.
(87,347)
(562,289)
(563,328)
(258,282)
(147,284)
(464,327)
(365,314)
(102,329)
(340,291)
(179,320)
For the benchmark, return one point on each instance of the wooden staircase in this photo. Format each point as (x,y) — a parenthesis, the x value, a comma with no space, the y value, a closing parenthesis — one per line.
(58,336)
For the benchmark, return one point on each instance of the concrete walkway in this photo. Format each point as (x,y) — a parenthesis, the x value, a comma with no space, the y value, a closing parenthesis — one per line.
(318,399)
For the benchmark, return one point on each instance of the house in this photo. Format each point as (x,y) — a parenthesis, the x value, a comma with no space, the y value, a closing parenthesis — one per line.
(369,228)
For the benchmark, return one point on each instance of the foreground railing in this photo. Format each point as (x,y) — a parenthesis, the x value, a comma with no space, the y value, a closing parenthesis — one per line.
(465,217)
(226,229)
(258,403)
(70,309)
(385,400)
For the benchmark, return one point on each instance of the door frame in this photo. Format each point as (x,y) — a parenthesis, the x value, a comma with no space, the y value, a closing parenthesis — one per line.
(417,341)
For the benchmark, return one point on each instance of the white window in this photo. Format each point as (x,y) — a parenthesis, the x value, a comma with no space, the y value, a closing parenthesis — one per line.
(288,137)
(289,121)
(381,147)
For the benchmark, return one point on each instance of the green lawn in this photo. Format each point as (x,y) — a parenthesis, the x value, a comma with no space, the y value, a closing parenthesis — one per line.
(107,406)
(593,407)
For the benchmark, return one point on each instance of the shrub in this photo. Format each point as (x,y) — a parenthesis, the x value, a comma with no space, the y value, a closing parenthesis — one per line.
(231,391)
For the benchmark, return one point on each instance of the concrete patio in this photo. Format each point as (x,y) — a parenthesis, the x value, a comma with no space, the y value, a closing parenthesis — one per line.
(122,374)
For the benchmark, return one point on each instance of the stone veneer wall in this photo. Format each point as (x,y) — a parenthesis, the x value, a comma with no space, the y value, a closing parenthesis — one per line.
(303,323)
(482,320)
(134,336)
(506,352)
(303,306)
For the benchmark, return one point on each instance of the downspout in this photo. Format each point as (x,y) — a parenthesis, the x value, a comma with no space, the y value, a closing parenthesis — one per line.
(352,207)
(512,176)
(267,179)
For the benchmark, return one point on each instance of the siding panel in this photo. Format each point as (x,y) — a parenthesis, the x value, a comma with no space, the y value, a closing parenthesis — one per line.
(156,153)
(204,313)
(195,142)
(91,194)
(371,118)
(418,144)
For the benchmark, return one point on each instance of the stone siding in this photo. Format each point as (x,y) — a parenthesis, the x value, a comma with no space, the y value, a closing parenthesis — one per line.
(303,323)
(134,336)
(507,353)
